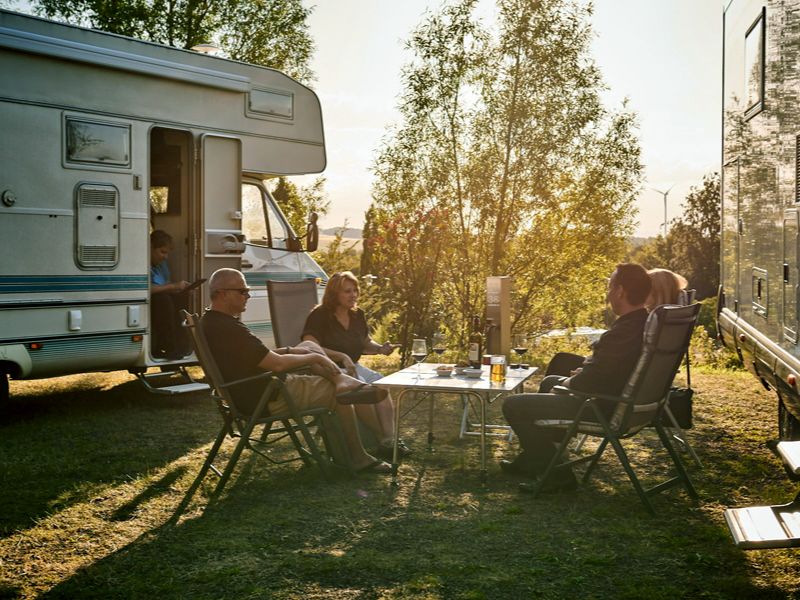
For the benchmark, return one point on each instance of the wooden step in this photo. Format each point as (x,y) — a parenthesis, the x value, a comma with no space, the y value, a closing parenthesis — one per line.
(790,455)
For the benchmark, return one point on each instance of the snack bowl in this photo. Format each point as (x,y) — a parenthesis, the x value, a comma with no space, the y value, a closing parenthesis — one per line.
(472,373)
(444,371)
(459,369)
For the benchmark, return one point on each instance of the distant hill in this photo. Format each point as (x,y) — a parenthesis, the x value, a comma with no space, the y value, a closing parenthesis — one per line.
(350,233)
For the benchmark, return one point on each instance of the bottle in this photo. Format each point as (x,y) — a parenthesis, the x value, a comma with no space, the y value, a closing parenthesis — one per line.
(475,347)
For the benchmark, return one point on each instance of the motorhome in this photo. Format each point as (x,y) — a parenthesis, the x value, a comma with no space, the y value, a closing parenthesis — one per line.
(758,299)
(106,139)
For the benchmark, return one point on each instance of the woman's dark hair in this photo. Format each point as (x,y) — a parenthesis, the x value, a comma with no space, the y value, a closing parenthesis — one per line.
(160,238)
(635,281)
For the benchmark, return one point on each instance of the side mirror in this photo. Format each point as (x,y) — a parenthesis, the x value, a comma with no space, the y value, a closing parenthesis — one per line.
(312,232)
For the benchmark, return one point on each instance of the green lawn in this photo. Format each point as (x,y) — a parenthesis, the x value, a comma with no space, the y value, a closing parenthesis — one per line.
(92,470)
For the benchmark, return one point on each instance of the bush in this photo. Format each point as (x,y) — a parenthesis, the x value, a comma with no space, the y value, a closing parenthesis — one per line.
(706,351)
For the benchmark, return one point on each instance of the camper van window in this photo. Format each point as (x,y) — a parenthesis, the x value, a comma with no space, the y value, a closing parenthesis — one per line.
(754,45)
(254,225)
(270,103)
(277,229)
(98,143)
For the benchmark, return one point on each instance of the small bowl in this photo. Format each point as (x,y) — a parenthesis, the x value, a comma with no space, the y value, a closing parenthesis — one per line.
(459,369)
(444,371)
(472,373)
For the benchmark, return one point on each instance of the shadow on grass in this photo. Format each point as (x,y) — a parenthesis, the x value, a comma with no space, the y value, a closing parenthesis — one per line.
(63,442)
(284,533)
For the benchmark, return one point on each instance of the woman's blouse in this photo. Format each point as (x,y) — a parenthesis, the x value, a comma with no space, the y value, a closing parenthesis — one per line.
(328,331)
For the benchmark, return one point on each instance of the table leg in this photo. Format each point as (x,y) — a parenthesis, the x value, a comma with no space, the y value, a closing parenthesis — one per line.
(484,473)
(430,422)
(395,461)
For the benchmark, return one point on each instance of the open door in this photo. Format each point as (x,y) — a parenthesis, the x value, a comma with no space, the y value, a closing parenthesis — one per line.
(221,192)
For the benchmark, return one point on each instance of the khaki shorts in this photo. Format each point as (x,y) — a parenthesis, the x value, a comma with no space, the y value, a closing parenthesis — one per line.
(307,391)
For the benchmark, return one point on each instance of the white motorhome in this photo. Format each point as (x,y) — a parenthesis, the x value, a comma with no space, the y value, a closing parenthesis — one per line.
(760,222)
(107,138)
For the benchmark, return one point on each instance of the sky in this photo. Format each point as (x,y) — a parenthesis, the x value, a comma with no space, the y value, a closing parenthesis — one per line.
(664,56)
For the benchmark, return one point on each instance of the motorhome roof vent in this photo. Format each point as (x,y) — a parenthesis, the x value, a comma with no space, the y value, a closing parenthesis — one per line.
(97,226)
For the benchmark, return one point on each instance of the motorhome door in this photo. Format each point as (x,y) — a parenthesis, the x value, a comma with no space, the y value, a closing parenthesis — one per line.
(223,242)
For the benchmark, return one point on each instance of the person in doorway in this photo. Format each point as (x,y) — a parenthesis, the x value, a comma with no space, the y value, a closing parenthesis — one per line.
(341,329)
(169,340)
(605,371)
(240,354)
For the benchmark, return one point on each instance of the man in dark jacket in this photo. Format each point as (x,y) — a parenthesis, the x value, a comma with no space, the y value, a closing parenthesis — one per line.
(606,371)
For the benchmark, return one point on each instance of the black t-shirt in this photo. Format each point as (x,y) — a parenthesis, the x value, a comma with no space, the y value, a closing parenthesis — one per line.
(237,353)
(325,327)
(614,356)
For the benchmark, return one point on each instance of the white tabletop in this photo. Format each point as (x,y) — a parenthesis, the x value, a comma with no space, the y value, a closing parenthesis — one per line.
(428,379)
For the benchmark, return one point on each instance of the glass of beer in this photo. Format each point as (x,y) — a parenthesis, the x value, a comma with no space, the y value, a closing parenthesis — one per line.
(497,373)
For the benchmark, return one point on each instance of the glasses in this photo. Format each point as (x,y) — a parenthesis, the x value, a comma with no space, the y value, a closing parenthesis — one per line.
(242,291)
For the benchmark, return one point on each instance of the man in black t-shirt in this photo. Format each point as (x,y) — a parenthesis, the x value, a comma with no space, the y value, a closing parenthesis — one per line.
(240,354)
(605,371)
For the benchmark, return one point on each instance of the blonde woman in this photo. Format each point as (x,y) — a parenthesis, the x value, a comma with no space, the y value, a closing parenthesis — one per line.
(341,329)
(666,288)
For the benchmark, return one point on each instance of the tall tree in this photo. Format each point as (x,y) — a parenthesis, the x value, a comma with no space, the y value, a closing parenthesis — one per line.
(505,139)
(296,202)
(272,33)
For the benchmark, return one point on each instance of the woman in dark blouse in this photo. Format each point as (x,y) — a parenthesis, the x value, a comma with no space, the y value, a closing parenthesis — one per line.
(340,327)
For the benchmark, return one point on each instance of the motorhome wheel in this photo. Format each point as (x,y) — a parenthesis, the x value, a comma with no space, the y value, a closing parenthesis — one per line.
(788,425)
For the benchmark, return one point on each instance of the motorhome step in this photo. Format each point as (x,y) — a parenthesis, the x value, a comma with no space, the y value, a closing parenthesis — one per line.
(790,455)
(181,388)
(763,527)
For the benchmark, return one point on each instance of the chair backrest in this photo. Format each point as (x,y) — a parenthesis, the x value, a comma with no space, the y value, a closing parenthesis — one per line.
(205,358)
(667,333)
(289,305)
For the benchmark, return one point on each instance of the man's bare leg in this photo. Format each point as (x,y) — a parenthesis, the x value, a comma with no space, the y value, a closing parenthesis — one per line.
(342,381)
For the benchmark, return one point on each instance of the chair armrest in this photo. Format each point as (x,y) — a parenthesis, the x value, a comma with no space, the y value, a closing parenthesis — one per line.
(560,389)
(264,375)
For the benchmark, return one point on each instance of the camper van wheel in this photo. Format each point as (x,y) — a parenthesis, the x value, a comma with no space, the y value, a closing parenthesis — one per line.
(788,425)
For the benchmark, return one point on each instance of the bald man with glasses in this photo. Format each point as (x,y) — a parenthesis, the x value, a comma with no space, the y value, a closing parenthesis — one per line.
(240,354)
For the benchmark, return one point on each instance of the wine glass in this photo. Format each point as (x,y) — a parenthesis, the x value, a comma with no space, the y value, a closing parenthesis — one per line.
(520,346)
(438,343)
(419,350)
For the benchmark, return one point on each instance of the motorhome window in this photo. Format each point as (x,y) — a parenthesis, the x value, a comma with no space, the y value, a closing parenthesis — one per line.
(254,223)
(98,143)
(754,46)
(168,154)
(271,103)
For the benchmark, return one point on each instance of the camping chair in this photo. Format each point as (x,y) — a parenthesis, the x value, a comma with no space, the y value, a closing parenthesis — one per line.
(768,527)
(275,427)
(666,338)
(289,305)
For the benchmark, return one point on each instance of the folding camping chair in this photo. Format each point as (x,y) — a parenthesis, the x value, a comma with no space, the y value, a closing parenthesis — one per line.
(666,338)
(289,305)
(768,527)
(275,427)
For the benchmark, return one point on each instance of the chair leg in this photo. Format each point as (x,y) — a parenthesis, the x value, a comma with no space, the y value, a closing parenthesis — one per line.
(623,458)
(244,442)
(313,449)
(676,460)
(554,462)
(595,459)
(212,454)
(680,436)
(301,450)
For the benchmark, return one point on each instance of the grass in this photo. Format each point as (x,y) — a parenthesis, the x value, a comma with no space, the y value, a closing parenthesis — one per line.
(92,470)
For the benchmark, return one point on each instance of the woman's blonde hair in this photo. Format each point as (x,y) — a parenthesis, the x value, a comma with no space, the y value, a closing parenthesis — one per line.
(330,298)
(666,287)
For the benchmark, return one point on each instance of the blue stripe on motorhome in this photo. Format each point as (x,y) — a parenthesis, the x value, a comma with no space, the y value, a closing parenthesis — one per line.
(71,283)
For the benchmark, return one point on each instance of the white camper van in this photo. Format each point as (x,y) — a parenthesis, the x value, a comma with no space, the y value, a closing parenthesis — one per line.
(105,139)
